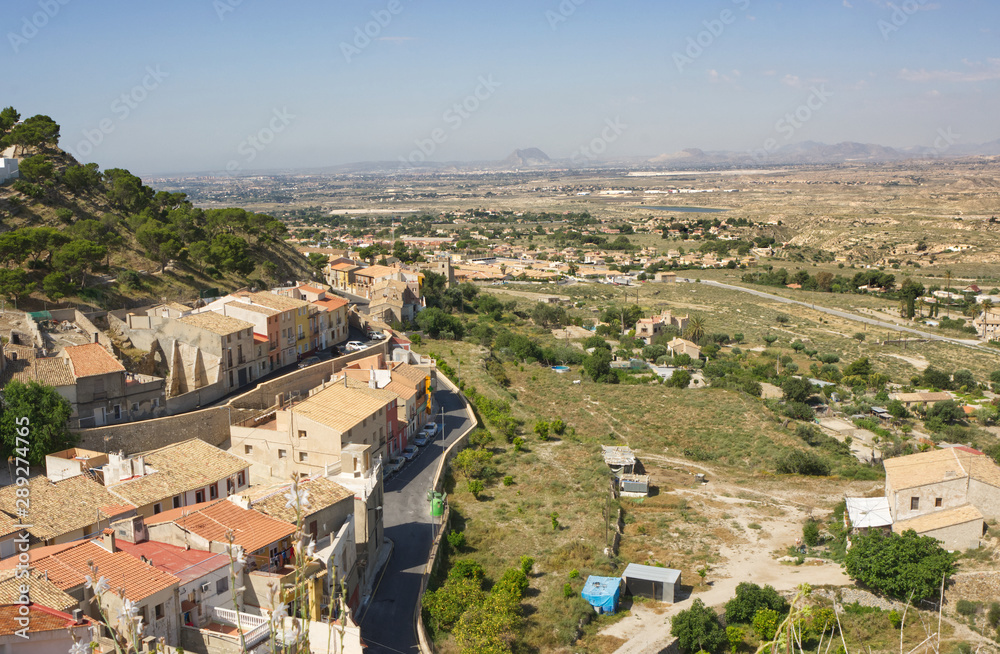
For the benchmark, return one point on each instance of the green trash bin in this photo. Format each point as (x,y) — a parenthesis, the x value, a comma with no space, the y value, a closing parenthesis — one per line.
(437,507)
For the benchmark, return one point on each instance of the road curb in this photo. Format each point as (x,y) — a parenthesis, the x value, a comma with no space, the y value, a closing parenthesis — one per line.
(418,623)
(378,582)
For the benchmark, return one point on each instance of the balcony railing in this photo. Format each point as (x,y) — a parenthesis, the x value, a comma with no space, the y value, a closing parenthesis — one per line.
(256,628)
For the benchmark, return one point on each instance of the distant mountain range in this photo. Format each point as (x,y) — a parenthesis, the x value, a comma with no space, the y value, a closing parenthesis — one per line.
(804,153)
(526,158)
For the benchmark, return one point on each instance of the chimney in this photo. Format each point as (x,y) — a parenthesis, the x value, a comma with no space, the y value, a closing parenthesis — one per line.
(95,337)
(77,616)
(108,539)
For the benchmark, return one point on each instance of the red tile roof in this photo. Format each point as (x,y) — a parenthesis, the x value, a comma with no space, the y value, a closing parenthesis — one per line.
(212,520)
(186,565)
(332,303)
(92,359)
(67,569)
(40,618)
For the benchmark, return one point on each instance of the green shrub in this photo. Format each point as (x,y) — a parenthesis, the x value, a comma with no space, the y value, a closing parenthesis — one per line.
(527,563)
(966,608)
(698,628)
(457,540)
(810,533)
(895,619)
(475,487)
(568,590)
(765,623)
(574,573)
(735,636)
(749,599)
(508,480)
(899,565)
(993,615)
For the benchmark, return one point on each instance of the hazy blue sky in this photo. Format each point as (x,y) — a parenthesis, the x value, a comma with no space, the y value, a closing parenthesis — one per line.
(219,74)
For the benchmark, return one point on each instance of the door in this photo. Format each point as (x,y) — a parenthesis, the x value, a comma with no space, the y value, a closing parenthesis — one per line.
(242,376)
(658,591)
(100,416)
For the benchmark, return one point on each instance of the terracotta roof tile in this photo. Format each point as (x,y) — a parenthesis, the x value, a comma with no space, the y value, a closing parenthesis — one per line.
(58,508)
(938,520)
(92,359)
(43,591)
(926,468)
(179,468)
(342,407)
(40,618)
(415,375)
(187,565)
(212,520)
(322,493)
(274,301)
(216,323)
(67,570)
(331,303)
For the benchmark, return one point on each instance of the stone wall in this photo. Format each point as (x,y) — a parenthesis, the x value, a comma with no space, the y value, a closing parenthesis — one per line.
(301,381)
(210,425)
(973,586)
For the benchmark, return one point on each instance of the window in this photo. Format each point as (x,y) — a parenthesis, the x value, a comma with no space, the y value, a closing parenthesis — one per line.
(135,407)
(199,497)
(239,479)
(303,457)
(213,491)
(938,502)
(248,449)
(177,502)
(156,403)
(302,433)
(914,503)
(282,454)
(118,411)
(158,611)
(157,508)
(221,586)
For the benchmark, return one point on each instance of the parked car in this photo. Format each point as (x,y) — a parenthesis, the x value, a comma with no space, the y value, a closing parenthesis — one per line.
(421,440)
(394,466)
(409,453)
(308,361)
(354,345)
(431,429)
(375,336)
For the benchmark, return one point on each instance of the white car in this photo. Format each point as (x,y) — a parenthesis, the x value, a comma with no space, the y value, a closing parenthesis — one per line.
(431,429)
(353,346)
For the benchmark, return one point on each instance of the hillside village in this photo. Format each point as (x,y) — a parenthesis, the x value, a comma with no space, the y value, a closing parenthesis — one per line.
(237,467)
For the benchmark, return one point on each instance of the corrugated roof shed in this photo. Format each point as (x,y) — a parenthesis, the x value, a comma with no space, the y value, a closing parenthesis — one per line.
(651,573)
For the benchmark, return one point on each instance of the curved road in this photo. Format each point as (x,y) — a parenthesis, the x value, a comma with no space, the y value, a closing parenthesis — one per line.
(387,625)
(845,314)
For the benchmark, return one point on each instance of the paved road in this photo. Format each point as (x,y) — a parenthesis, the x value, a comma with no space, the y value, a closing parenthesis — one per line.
(387,627)
(848,316)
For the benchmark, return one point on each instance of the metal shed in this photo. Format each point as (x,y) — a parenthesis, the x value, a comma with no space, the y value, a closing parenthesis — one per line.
(634,484)
(661,584)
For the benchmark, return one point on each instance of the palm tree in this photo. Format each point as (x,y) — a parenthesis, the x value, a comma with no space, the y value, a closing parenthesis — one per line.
(695,328)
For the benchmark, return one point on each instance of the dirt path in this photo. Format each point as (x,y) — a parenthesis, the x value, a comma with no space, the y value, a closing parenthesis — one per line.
(647,629)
